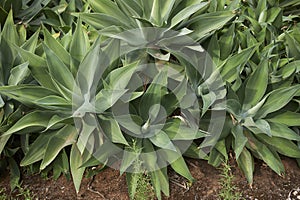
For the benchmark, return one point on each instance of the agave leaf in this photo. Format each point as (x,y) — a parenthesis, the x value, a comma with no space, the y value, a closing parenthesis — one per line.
(264,126)
(269,157)
(112,130)
(129,158)
(130,8)
(34,119)
(149,156)
(288,118)
(57,49)
(206,23)
(59,71)
(282,145)
(35,95)
(37,149)
(79,44)
(227,42)
(273,103)
(160,182)
(233,65)
(293,46)
(31,44)
(60,139)
(162,140)
(18,74)
(3,142)
(246,163)
(153,94)
(185,13)
(240,140)
(256,85)
(14,173)
(77,171)
(100,21)
(9,31)
(110,8)
(283,131)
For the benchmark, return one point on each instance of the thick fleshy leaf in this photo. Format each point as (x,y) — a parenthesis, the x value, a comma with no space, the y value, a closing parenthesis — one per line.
(240,140)
(233,65)
(283,131)
(283,146)
(206,23)
(58,70)
(108,7)
(60,139)
(18,74)
(79,44)
(246,163)
(162,140)
(75,165)
(288,118)
(274,103)
(185,13)
(112,130)
(256,85)
(9,31)
(35,119)
(56,48)
(178,164)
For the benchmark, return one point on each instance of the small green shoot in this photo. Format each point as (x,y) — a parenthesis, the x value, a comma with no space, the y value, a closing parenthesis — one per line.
(228,190)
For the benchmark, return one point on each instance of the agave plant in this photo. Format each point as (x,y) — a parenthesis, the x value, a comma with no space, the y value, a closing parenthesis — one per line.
(258,71)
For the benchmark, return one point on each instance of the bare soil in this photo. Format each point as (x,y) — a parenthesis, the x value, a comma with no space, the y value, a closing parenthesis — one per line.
(110,185)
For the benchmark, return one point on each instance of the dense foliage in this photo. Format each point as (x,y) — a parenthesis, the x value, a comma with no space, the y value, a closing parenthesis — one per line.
(102,82)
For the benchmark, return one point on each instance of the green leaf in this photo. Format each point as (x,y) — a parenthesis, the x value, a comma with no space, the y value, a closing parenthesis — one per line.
(14,173)
(108,7)
(32,120)
(288,118)
(246,163)
(256,85)
(79,44)
(100,21)
(75,165)
(112,130)
(264,126)
(18,74)
(37,149)
(35,95)
(128,159)
(9,31)
(153,94)
(58,70)
(60,139)
(206,23)
(178,164)
(283,146)
(293,46)
(234,65)
(185,13)
(57,49)
(240,140)
(283,131)
(274,103)
(162,140)
(31,43)
(269,157)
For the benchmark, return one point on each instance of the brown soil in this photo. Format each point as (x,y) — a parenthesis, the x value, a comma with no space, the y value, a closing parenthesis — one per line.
(110,185)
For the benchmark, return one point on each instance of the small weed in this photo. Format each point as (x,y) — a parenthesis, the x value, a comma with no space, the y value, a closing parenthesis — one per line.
(228,191)
(25,193)
(3,195)
(144,189)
